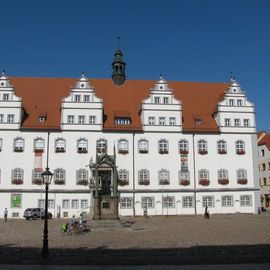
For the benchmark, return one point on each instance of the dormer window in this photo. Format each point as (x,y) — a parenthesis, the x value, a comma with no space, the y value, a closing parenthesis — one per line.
(5,97)
(231,102)
(10,118)
(198,122)
(156,100)
(77,98)
(122,121)
(165,100)
(239,102)
(42,118)
(86,98)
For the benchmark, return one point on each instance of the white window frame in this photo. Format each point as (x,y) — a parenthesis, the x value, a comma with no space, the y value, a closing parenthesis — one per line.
(237,122)
(81,119)
(163,146)
(81,176)
(51,203)
(222,174)
(202,145)
(188,202)
(143,176)
(227,200)
(240,145)
(60,145)
(245,200)
(126,202)
(172,121)
(162,121)
(203,174)
(82,145)
(59,175)
(92,119)
(246,123)
(10,118)
(39,144)
(168,202)
(17,174)
(143,145)
(19,144)
(102,146)
(183,145)
(70,119)
(151,120)
(241,174)
(77,98)
(209,201)
(222,146)
(65,204)
(227,122)
(147,202)
(74,204)
(164,177)
(123,145)
(1,118)
(84,203)
(123,175)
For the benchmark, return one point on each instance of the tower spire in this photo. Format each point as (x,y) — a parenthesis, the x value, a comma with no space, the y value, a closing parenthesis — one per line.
(118,66)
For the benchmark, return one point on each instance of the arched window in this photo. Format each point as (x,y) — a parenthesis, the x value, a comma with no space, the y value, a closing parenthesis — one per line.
(60,145)
(183,147)
(184,178)
(240,147)
(202,147)
(39,145)
(222,147)
(123,146)
(18,144)
(101,146)
(164,177)
(143,146)
(143,176)
(123,177)
(17,176)
(82,177)
(241,175)
(163,146)
(59,176)
(36,177)
(204,177)
(223,177)
(82,145)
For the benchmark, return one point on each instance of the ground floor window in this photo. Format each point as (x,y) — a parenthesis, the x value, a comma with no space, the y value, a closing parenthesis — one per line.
(84,204)
(188,202)
(168,202)
(246,200)
(126,202)
(227,200)
(208,201)
(148,202)
(41,203)
(65,204)
(51,204)
(74,204)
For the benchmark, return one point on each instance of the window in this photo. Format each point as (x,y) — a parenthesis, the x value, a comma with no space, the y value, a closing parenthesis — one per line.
(198,122)
(204,177)
(183,147)
(268,165)
(222,147)
(81,119)
(65,204)
(101,146)
(10,118)
(148,202)
(241,175)
(162,121)
(231,102)
(19,145)
(123,177)
(50,203)
(82,177)
(188,201)
(1,144)
(122,146)
(263,167)
(262,153)
(246,123)
(237,122)
(59,176)
(164,177)
(227,122)
(17,176)
(168,202)
(1,118)
(223,177)
(226,201)
(60,145)
(163,146)
(126,202)
(151,120)
(5,97)
(240,147)
(239,102)
(122,121)
(82,145)
(77,98)
(86,98)
(84,204)
(172,121)
(75,204)
(165,100)
(208,201)
(41,203)
(92,119)
(202,147)
(143,176)
(39,145)
(143,146)
(36,177)
(184,178)
(70,119)
(245,200)
(157,100)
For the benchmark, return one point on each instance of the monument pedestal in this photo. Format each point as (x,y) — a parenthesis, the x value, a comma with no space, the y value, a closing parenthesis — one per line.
(106,207)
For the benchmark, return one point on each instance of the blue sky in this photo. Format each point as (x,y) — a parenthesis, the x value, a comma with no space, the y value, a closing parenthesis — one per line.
(186,40)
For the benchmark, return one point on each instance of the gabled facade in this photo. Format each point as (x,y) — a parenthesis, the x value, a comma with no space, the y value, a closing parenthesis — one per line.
(177,146)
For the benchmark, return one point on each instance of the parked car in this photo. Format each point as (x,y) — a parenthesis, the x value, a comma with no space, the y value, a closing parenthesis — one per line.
(35,213)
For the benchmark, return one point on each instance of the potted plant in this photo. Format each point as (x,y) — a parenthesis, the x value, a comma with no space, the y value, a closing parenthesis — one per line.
(164,182)
(165,151)
(223,181)
(144,182)
(204,182)
(242,181)
(59,182)
(222,151)
(240,152)
(83,182)
(122,182)
(183,151)
(37,181)
(203,152)
(17,181)
(184,182)
(123,151)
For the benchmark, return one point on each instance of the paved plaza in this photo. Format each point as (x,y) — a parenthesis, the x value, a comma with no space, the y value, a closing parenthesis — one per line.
(172,240)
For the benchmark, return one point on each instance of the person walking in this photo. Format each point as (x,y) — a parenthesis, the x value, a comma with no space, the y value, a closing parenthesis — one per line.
(5,214)
(206,213)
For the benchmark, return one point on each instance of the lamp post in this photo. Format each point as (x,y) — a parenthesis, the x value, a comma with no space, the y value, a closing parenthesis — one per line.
(47,178)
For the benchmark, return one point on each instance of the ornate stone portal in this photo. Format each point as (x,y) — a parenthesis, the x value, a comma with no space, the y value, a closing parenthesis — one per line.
(104,187)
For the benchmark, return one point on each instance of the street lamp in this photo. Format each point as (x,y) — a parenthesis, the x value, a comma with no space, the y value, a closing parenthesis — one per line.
(47,178)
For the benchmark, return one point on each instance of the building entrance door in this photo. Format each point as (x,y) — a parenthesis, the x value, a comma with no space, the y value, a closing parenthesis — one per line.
(105,180)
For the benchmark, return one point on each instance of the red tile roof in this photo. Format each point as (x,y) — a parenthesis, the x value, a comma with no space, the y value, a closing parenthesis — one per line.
(44,95)
(265,140)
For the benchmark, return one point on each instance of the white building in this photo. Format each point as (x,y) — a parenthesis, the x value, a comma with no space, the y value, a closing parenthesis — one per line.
(177,146)
(264,167)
